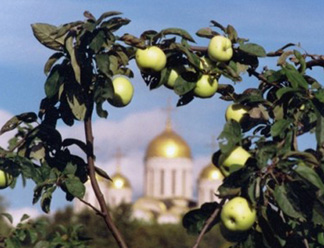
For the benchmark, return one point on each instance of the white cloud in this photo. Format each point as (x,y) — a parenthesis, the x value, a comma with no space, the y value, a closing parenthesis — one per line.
(130,134)
(4,117)
(18,213)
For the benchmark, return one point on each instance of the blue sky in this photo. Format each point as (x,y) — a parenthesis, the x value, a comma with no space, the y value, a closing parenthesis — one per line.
(269,23)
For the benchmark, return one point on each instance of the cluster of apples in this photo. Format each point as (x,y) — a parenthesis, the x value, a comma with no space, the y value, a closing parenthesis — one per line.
(237,215)
(154,59)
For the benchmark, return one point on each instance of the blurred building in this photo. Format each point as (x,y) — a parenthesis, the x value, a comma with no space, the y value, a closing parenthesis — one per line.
(168,182)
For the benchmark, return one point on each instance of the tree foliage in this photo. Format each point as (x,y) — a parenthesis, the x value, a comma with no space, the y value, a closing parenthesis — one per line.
(283,183)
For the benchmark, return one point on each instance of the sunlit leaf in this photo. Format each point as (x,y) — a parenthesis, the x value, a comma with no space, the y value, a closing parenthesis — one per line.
(70,48)
(78,109)
(46,34)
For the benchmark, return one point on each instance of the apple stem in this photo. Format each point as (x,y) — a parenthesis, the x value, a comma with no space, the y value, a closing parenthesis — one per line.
(209,222)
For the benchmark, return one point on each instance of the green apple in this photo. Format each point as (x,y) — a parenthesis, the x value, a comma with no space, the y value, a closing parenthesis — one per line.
(150,59)
(206,86)
(235,112)
(237,215)
(174,74)
(235,160)
(220,49)
(5,179)
(123,92)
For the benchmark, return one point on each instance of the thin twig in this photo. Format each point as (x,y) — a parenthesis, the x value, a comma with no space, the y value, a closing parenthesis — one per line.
(91,206)
(208,222)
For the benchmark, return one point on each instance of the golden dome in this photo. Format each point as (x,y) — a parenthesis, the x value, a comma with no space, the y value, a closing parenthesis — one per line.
(119,181)
(168,145)
(211,172)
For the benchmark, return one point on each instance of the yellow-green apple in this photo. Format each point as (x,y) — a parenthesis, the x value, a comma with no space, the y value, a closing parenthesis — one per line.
(123,92)
(235,112)
(150,59)
(220,49)
(237,215)
(5,179)
(235,160)
(174,74)
(206,86)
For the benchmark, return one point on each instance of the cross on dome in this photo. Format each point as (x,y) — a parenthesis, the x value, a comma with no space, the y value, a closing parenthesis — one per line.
(168,109)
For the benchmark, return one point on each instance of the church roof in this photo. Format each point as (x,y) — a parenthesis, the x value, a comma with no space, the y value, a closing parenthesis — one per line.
(168,144)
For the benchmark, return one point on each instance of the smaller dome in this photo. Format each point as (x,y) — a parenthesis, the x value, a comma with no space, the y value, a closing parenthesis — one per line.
(118,181)
(211,172)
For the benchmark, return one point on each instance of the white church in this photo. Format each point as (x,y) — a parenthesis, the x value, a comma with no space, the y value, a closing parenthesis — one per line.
(168,182)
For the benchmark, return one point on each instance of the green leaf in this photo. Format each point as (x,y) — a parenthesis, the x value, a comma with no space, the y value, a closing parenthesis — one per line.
(75,187)
(194,220)
(301,60)
(310,175)
(192,57)
(182,87)
(103,63)
(33,235)
(10,125)
(42,244)
(177,31)
(106,15)
(115,23)
(319,95)
(100,111)
(295,78)
(12,242)
(8,217)
(282,91)
(279,128)
(231,32)
(102,173)
(102,92)
(265,152)
(53,82)
(47,198)
(318,217)
(46,34)
(283,202)
(307,157)
(206,32)
(70,169)
(79,143)
(24,217)
(51,61)
(71,50)
(98,41)
(230,136)
(253,49)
